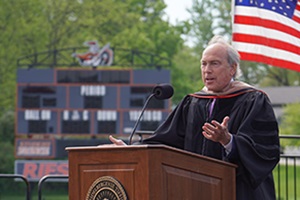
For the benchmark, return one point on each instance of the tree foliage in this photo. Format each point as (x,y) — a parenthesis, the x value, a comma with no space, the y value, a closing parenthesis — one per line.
(31,26)
(290,123)
(186,74)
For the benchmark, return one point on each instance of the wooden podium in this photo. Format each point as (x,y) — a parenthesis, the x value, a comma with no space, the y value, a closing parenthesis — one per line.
(148,172)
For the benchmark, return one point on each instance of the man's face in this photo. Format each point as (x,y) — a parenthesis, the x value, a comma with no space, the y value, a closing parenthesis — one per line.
(216,71)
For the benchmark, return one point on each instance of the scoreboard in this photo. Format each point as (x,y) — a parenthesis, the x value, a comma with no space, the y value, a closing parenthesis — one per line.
(91,102)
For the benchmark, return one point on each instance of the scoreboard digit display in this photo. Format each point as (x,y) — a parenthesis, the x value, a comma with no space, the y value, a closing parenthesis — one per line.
(63,101)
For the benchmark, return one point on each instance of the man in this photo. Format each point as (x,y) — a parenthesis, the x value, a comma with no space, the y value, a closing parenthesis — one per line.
(227,120)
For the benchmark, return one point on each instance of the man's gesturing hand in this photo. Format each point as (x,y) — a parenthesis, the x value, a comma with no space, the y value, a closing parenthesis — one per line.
(217,132)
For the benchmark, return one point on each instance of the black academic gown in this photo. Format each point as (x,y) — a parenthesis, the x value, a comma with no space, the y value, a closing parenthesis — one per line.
(255,136)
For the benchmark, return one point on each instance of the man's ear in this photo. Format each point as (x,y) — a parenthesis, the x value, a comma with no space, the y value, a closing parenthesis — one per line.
(233,69)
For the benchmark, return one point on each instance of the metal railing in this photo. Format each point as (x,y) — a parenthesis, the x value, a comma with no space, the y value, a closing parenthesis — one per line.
(63,58)
(23,178)
(287,183)
(286,174)
(44,179)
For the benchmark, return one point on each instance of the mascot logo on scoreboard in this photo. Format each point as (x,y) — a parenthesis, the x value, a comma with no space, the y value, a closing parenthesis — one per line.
(95,56)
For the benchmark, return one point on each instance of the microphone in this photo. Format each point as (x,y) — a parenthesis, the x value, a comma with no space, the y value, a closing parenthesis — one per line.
(161,92)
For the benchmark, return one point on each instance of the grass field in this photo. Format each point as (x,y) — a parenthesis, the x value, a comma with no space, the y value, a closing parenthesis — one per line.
(50,191)
(45,196)
(289,179)
(35,197)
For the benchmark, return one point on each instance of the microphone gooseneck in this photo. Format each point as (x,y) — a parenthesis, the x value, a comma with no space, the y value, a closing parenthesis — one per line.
(161,91)
(139,119)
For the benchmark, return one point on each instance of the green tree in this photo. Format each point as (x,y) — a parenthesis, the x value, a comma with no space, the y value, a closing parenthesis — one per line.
(32,26)
(290,124)
(280,77)
(186,74)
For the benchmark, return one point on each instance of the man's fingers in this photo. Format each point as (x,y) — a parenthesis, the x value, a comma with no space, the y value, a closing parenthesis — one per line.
(225,121)
(117,141)
(205,134)
(209,126)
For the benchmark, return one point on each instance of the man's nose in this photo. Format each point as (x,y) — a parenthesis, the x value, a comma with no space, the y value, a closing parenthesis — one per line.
(208,68)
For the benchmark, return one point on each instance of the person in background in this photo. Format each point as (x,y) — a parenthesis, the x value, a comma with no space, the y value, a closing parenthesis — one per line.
(227,120)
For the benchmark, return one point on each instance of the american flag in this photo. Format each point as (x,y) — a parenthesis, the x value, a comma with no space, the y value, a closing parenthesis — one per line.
(268,31)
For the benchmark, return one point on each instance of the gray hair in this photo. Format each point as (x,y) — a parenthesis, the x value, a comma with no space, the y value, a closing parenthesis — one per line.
(233,55)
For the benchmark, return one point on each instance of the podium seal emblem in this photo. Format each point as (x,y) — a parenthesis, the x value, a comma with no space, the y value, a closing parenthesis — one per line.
(106,188)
